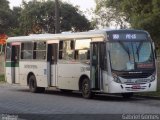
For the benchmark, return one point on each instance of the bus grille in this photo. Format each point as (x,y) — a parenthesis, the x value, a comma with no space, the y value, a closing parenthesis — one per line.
(135,75)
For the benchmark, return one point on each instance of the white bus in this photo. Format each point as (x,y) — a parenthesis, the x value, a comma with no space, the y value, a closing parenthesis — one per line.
(104,61)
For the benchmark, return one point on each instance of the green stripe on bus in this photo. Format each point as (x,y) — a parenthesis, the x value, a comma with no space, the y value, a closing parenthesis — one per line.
(12,64)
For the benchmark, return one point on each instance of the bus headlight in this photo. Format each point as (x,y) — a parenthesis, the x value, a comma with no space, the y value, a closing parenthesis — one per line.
(116,78)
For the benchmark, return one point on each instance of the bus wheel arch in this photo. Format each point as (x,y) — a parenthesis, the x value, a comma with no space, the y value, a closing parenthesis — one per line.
(84,87)
(28,76)
(81,80)
(32,82)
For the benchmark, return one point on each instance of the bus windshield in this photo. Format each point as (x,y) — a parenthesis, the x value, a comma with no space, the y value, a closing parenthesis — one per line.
(131,56)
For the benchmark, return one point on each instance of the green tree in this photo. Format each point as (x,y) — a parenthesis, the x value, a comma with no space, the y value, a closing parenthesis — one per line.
(107,15)
(15,27)
(5,17)
(141,14)
(39,17)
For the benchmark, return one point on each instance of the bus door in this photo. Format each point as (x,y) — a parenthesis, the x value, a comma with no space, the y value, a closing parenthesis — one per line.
(15,62)
(52,62)
(96,74)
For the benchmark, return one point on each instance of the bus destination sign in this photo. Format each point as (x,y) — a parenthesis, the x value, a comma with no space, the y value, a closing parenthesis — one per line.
(128,36)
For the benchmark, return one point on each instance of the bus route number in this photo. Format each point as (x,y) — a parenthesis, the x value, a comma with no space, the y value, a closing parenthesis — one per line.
(124,36)
(131,36)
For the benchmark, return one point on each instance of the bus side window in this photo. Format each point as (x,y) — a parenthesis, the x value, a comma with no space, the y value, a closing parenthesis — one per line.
(27,50)
(60,49)
(66,50)
(8,51)
(76,54)
(82,51)
(72,45)
(39,50)
(88,54)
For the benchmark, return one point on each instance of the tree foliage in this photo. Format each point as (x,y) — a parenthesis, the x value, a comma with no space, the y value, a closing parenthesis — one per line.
(38,17)
(15,27)
(141,14)
(107,15)
(5,17)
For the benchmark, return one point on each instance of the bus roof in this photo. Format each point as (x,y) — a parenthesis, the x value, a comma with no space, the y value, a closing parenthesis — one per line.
(65,36)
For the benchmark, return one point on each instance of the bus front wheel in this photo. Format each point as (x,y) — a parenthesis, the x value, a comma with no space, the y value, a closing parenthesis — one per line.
(86,91)
(33,85)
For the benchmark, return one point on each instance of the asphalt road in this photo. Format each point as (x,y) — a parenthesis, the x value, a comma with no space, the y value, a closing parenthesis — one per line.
(17,100)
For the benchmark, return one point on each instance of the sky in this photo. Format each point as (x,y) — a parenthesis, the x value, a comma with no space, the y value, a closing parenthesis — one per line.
(85,5)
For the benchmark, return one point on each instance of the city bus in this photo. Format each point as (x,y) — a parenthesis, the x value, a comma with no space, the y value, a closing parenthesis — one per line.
(100,61)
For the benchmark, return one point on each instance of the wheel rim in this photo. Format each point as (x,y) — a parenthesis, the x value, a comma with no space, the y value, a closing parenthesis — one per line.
(32,84)
(85,88)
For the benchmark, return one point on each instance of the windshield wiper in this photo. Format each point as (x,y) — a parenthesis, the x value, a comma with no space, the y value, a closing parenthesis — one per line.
(138,48)
(126,49)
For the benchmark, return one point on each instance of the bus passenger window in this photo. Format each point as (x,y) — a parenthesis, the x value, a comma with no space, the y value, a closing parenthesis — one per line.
(61,45)
(60,54)
(88,54)
(66,50)
(27,50)
(39,50)
(82,51)
(8,51)
(76,54)
(72,45)
(82,55)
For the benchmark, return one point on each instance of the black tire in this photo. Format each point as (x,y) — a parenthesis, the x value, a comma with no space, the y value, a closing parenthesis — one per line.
(33,85)
(127,95)
(86,91)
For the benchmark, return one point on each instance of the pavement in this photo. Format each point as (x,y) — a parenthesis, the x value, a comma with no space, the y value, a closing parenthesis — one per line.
(17,102)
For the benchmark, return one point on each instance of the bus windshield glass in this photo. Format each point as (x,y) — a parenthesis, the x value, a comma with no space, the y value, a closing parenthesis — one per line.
(131,56)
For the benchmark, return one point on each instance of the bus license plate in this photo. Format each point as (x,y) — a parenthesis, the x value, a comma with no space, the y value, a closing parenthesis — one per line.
(136,87)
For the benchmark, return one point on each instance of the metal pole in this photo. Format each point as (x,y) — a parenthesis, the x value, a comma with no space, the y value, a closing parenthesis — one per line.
(57,20)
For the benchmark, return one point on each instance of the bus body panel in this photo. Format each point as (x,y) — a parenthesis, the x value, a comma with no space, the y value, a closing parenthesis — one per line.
(65,74)
(38,68)
(17,76)
(9,75)
(12,73)
(70,73)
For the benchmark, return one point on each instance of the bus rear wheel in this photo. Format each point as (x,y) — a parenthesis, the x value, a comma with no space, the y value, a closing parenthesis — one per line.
(33,85)
(86,91)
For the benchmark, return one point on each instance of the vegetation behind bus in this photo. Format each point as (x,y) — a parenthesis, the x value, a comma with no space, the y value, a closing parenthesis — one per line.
(38,17)
(143,15)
